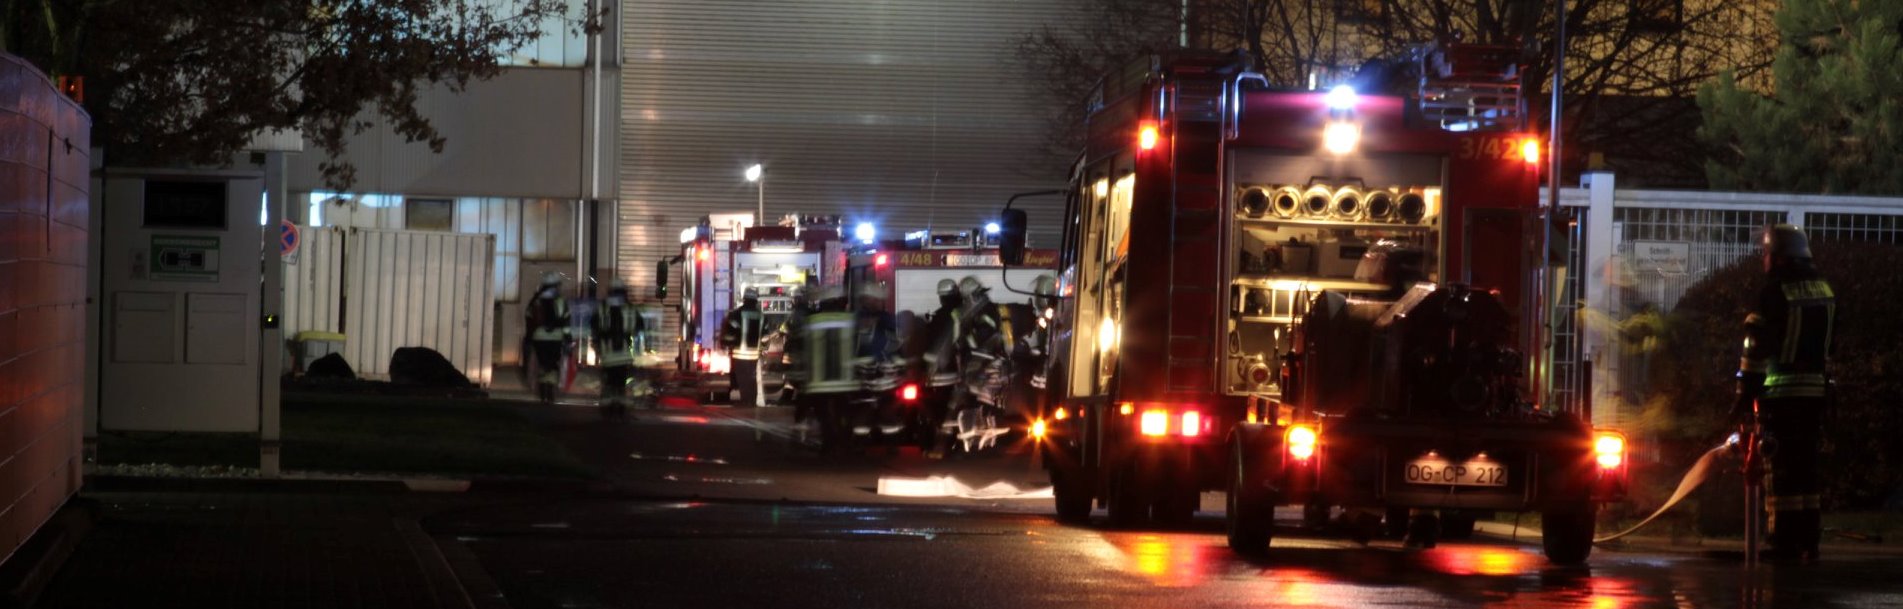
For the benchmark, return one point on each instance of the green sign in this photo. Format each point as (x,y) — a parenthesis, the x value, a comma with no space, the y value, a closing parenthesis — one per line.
(184,258)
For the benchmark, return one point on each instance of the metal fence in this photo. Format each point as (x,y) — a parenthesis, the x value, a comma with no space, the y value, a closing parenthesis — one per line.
(1633,252)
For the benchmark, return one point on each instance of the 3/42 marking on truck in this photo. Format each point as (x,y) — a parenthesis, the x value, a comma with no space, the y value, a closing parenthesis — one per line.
(1438,471)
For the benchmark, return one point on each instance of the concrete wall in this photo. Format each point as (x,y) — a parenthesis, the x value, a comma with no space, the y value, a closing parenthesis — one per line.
(523,133)
(44,146)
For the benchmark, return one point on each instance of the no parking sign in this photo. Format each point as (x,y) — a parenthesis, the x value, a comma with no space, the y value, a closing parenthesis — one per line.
(287,238)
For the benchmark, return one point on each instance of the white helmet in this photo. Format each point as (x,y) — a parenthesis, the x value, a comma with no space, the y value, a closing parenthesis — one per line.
(970,286)
(947,287)
(617,286)
(551,279)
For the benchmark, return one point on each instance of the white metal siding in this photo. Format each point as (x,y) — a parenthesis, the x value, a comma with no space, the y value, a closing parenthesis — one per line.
(905,112)
(419,289)
(314,282)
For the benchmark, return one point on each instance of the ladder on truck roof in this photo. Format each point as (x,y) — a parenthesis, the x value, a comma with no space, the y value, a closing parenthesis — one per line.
(1470,87)
(1195,236)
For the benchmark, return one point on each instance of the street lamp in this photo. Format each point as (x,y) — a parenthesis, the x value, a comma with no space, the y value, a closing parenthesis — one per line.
(754,174)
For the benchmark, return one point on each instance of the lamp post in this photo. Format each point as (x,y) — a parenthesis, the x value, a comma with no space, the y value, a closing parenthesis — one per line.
(757,175)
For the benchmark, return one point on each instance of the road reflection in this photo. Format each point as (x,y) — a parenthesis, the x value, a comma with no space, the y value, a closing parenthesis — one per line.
(1311,573)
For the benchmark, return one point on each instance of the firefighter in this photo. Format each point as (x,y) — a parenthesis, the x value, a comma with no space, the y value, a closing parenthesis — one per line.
(940,363)
(619,336)
(1783,374)
(985,344)
(548,335)
(827,367)
(1037,341)
(793,345)
(742,331)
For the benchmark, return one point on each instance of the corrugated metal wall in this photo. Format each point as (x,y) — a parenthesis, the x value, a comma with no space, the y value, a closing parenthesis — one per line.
(904,112)
(314,282)
(44,208)
(419,289)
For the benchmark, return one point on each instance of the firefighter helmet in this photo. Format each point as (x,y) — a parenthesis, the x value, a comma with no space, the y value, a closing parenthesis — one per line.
(970,286)
(1044,285)
(749,292)
(1785,244)
(617,287)
(947,287)
(551,279)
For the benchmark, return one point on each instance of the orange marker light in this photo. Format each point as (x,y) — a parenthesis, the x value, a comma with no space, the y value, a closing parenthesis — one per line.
(880,260)
(702,253)
(1037,428)
(1155,423)
(1061,414)
(1530,150)
(1146,137)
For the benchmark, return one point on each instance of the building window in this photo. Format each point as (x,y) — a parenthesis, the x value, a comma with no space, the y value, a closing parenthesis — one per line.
(429,214)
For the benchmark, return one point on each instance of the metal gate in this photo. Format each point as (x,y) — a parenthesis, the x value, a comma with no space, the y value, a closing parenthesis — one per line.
(1635,251)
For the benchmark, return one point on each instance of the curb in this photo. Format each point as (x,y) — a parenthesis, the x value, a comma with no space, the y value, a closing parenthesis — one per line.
(139,484)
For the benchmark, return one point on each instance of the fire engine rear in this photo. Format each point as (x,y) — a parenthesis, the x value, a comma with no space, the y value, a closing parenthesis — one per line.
(724,255)
(1311,298)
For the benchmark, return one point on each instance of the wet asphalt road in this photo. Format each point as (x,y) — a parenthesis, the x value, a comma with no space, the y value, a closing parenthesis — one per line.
(749,522)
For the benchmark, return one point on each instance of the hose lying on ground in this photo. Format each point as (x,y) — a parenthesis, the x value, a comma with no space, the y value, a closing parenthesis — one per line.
(1699,472)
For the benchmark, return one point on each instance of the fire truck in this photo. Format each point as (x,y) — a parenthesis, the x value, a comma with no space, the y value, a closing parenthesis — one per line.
(1311,298)
(909,272)
(722,256)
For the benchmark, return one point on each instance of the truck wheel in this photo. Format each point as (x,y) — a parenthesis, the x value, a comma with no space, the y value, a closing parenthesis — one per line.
(1395,525)
(1424,531)
(1127,505)
(1250,517)
(1176,507)
(1566,535)
(1072,495)
(1457,525)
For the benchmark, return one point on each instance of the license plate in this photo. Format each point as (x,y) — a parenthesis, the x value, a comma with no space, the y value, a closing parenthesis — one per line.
(1441,472)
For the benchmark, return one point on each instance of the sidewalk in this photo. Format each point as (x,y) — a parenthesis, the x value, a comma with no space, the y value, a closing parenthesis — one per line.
(264,549)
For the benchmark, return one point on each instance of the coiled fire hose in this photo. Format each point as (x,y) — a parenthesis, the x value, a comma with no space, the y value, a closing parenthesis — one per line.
(1699,473)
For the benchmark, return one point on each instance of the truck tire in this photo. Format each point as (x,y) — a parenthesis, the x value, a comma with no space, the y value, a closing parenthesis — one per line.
(1127,504)
(1566,535)
(1457,525)
(1072,495)
(1176,507)
(1250,517)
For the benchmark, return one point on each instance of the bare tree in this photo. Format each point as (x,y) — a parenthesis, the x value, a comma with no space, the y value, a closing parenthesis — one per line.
(1632,65)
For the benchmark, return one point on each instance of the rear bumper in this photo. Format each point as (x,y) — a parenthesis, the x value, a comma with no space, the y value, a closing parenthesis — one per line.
(1545,465)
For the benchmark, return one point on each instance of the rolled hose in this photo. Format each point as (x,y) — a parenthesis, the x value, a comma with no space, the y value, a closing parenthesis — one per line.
(1699,473)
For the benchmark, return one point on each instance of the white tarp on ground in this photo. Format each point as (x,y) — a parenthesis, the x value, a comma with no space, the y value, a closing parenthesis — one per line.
(947,486)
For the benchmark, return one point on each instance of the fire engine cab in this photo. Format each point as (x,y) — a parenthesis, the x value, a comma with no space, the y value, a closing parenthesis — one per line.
(723,256)
(1311,298)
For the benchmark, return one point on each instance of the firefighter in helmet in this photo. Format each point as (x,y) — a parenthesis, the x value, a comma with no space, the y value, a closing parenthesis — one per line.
(940,360)
(1783,374)
(826,366)
(548,335)
(741,334)
(985,344)
(877,340)
(1037,341)
(793,343)
(619,333)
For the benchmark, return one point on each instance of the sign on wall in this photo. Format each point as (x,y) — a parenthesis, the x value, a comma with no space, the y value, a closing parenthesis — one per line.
(1667,257)
(184,258)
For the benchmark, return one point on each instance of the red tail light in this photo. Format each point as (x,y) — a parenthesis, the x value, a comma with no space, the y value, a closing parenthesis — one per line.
(880,260)
(909,393)
(1192,424)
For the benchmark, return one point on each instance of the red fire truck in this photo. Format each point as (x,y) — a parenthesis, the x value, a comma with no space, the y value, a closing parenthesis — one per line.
(1310,298)
(723,256)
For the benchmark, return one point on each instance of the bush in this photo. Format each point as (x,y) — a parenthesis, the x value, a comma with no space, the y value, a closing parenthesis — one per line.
(1692,383)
